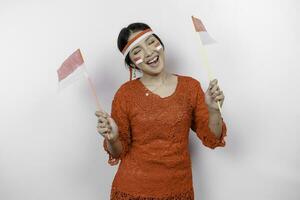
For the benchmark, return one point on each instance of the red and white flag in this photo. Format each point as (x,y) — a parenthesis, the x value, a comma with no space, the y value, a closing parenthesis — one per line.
(73,69)
(200,28)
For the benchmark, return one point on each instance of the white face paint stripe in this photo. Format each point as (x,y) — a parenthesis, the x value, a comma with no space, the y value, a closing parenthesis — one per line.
(138,61)
(158,47)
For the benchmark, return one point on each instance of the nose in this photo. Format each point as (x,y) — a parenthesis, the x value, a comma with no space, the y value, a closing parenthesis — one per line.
(148,52)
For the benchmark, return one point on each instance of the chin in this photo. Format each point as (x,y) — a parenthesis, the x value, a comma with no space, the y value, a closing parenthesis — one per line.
(157,70)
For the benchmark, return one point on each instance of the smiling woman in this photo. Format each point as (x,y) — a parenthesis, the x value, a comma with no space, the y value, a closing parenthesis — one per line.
(133,41)
(153,115)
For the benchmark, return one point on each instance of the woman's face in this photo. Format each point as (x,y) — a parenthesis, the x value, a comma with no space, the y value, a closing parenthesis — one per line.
(147,55)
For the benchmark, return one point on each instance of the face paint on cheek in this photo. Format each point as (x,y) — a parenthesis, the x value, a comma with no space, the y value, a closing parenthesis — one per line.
(158,46)
(138,60)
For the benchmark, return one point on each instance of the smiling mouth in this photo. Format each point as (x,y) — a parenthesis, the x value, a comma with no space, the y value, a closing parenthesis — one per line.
(153,61)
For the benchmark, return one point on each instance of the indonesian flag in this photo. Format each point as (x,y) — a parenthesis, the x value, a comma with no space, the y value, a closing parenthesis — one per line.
(73,69)
(200,28)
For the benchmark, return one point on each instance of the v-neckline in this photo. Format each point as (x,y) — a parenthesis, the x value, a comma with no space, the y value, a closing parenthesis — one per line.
(154,94)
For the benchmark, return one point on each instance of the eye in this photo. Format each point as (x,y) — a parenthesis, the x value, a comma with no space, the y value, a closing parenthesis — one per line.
(151,42)
(136,52)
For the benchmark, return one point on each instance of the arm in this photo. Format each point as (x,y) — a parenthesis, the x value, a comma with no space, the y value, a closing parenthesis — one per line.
(215,122)
(207,124)
(119,112)
(114,147)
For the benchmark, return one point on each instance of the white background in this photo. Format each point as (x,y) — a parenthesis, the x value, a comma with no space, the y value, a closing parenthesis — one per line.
(49,147)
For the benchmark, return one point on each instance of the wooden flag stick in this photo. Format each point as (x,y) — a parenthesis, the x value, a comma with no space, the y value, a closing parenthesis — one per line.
(206,64)
(92,87)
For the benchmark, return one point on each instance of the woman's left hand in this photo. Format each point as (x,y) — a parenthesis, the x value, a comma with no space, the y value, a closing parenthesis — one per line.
(213,95)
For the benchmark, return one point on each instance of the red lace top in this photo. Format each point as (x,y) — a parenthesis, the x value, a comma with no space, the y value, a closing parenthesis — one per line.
(155,160)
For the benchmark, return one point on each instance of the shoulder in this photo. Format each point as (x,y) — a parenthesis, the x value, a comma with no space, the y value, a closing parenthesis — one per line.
(124,89)
(192,87)
(190,81)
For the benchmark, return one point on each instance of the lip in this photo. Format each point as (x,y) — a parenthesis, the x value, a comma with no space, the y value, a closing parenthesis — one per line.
(154,65)
(152,58)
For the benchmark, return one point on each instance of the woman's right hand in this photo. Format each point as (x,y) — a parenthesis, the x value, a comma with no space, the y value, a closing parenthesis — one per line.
(106,126)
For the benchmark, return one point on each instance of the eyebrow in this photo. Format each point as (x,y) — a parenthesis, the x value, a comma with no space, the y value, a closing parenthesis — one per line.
(145,40)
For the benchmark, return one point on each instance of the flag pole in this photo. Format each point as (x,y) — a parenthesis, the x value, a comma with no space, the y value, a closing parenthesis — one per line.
(199,27)
(206,64)
(92,87)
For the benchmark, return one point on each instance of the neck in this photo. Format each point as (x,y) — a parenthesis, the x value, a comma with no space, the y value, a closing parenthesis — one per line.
(148,79)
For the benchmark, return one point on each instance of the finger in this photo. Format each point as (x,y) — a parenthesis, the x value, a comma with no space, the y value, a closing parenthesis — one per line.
(106,136)
(103,131)
(216,93)
(212,85)
(215,88)
(219,97)
(102,119)
(214,81)
(110,122)
(102,125)
(99,113)
(104,114)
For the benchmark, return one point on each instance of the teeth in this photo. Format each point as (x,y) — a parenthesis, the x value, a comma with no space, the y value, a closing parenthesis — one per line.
(153,60)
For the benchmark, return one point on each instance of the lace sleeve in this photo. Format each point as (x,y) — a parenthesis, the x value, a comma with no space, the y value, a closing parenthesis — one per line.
(200,121)
(119,114)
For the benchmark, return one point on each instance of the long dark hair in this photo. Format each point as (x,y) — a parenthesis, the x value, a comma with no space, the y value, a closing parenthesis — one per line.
(124,35)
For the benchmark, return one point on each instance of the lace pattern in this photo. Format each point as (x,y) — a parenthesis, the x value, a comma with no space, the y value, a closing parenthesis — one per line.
(119,195)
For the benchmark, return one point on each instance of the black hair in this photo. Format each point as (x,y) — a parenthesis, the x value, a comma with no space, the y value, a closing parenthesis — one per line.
(124,35)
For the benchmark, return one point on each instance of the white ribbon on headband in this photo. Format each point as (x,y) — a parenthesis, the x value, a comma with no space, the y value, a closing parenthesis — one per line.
(137,41)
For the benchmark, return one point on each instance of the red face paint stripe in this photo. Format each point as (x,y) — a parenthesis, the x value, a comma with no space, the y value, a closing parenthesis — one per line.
(136,59)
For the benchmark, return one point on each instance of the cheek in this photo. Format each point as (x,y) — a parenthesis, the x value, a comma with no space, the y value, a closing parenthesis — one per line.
(158,46)
(138,60)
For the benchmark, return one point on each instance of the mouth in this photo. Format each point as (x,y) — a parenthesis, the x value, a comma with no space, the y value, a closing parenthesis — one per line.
(153,62)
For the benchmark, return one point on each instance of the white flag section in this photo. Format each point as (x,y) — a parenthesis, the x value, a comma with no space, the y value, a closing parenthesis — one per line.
(78,74)
(72,70)
(206,38)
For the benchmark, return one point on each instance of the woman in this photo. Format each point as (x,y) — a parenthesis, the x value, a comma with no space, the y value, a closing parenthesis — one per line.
(150,121)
